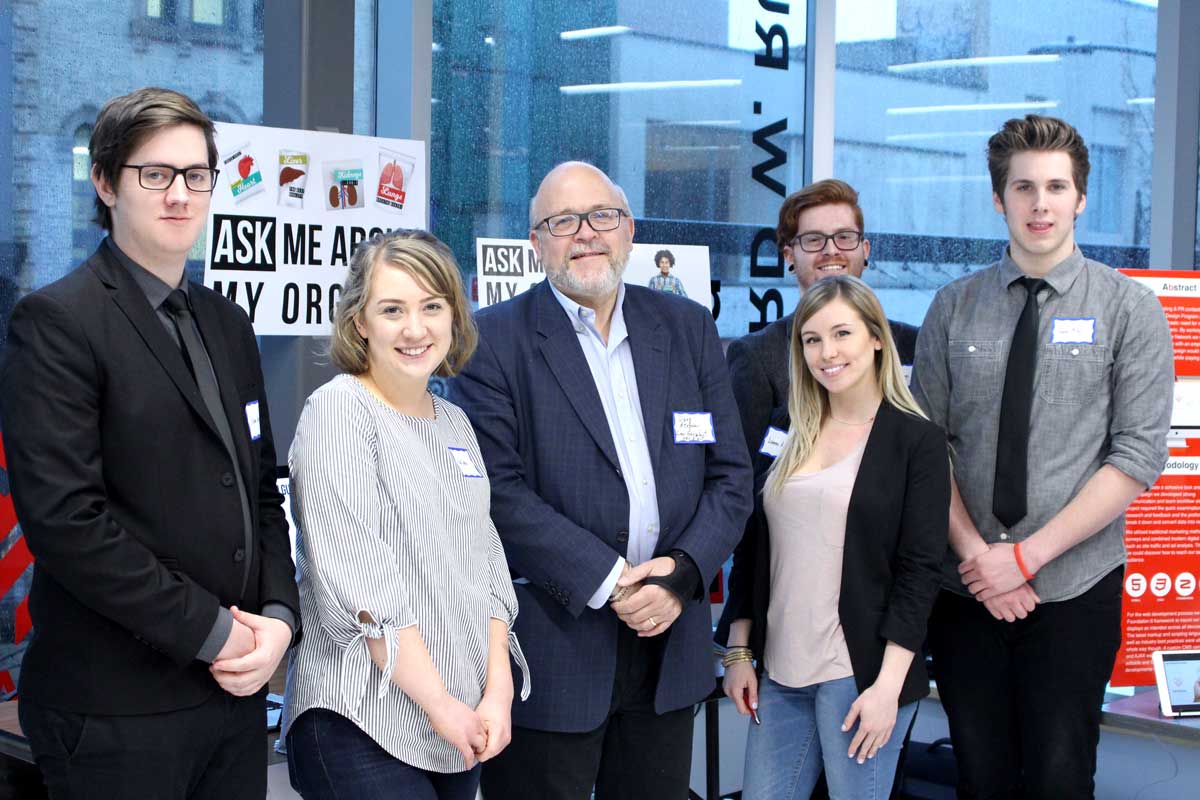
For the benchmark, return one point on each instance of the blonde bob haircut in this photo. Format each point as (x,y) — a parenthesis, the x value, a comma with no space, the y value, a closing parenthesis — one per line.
(431,264)
(808,403)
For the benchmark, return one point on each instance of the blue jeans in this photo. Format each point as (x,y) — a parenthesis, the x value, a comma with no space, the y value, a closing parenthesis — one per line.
(801,731)
(330,758)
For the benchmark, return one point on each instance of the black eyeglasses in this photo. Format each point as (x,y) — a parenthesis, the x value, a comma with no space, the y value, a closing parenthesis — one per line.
(158,177)
(814,242)
(601,219)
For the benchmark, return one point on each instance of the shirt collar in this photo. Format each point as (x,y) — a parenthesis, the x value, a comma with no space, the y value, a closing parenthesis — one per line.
(579,314)
(1060,277)
(152,286)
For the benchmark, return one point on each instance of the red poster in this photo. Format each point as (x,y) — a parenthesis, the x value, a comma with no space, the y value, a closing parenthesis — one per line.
(1161,604)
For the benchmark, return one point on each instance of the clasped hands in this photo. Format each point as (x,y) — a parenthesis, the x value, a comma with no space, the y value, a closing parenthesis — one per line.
(995,579)
(477,734)
(255,646)
(648,609)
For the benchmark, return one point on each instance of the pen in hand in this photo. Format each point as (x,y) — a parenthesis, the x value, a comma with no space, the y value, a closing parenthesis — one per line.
(753,710)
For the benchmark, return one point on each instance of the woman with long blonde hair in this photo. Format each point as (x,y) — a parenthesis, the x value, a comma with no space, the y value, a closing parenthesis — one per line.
(832,585)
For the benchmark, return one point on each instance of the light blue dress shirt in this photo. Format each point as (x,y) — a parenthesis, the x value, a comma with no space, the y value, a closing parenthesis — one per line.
(611,364)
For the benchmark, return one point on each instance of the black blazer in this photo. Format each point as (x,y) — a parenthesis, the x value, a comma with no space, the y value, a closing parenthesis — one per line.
(896,534)
(125,492)
(758,365)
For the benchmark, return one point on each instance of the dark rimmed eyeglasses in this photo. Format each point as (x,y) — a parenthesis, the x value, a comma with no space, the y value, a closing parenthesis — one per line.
(157,177)
(814,242)
(600,219)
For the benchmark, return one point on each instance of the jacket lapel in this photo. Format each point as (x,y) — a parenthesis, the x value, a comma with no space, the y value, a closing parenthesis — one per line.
(211,330)
(564,355)
(651,349)
(133,304)
(878,461)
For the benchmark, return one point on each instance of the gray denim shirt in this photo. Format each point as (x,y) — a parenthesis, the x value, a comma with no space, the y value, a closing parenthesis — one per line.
(1102,395)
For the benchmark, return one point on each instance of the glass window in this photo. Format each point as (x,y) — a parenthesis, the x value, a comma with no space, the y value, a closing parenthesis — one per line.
(208,12)
(917,103)
(682,103)
(45,224)
(85,235)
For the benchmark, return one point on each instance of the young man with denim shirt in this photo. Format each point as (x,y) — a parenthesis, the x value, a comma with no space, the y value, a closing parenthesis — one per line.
(1022,666)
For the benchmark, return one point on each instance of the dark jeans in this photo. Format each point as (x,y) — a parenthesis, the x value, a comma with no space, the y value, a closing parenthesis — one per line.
(1023,698)
(329,758)
(216,750)
(634,755)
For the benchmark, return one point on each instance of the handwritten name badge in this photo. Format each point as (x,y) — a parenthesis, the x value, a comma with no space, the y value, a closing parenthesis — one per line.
(1073,331)
(465,463)
(253,421)
(694,427)
(772,443)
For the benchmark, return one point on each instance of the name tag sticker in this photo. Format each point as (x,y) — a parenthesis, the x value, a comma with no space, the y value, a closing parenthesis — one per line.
(465,463)
(252,420)
(772,443)
(694,427)
(1073,331)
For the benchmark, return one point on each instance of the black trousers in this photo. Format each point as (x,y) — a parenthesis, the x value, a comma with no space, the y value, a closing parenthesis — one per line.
(634,755)
(1023,698)
(216,750)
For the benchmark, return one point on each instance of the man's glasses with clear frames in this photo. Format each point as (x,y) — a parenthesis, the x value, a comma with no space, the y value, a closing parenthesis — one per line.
(158,177)
(815,242)
(601,219)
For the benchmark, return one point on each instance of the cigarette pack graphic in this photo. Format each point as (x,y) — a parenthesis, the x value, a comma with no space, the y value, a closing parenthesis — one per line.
(344,179)
(293,176)
(245,178)
(395,171)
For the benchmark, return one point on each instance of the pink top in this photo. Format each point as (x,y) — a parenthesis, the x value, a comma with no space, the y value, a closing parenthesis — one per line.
(807,524)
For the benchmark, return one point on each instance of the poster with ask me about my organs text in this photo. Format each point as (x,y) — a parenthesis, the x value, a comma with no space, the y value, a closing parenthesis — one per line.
(289,209)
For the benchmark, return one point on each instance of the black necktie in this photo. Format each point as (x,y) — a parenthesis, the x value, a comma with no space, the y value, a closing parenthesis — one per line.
(196,355)
(1012,440)
(197,358)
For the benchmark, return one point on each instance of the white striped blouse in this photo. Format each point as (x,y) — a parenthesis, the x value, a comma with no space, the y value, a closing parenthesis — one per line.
(391,522)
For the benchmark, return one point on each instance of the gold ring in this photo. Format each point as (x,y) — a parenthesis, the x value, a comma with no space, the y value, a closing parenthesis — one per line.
(653,624)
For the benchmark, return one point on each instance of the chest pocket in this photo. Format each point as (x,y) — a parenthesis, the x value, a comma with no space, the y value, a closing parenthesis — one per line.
(976,370)
(1073,373)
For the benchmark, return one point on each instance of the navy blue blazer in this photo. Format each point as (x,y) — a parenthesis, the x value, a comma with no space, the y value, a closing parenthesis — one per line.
(560,503)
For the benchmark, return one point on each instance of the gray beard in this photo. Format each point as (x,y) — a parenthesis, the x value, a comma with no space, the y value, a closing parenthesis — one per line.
(570,284)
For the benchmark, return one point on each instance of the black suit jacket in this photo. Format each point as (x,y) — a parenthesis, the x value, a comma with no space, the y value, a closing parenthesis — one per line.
(758,364)
(896,534)
(126,494)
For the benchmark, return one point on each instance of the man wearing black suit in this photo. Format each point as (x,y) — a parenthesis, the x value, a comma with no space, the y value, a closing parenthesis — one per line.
(820,231)
(142,471)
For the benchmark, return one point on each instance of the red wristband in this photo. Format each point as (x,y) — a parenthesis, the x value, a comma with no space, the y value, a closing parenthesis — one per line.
(1025,573)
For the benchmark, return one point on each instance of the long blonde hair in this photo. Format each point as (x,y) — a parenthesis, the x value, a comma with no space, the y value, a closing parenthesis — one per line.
(808,402)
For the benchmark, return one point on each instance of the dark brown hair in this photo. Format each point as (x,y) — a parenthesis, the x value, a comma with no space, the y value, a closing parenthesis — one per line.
(126,121)
(821,193)
(1034,132)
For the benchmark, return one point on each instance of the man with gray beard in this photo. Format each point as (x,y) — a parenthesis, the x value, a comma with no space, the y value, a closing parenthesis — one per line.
(620,483)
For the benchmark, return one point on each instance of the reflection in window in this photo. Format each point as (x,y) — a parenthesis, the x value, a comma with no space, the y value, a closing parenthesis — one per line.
(666,97)
(208,12)
(51,195)
(1105,189)
(85,234)
(914,111)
